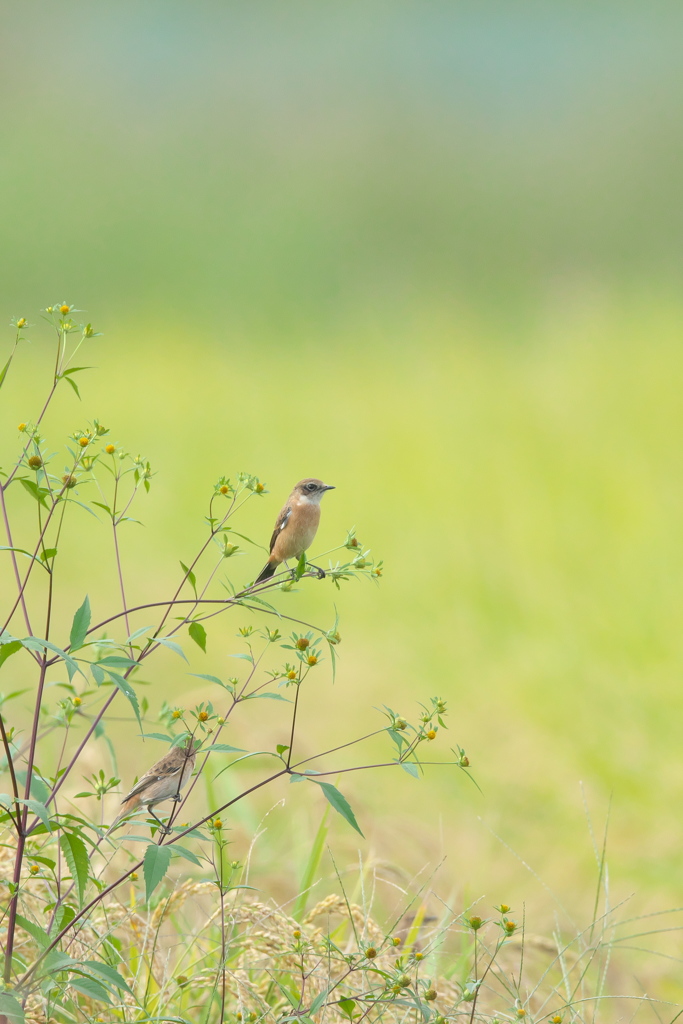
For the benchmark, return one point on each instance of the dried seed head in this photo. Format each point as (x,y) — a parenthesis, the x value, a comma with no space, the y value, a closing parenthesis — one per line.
(35,462)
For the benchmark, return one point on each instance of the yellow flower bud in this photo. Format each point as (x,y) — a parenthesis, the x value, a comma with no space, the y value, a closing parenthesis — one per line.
(133,876)
(224,489)
(69,480)
(296,933)
(21,428)
(84,441)
(76,701)
(35,462)
(110,449)
(202,716)
(64,309)
(311,660)
(396,941)
(431,734)
(291,674)
(34,869)
(21,322)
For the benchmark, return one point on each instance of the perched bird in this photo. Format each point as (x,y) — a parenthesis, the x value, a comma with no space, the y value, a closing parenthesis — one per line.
(163,781)
(296,525)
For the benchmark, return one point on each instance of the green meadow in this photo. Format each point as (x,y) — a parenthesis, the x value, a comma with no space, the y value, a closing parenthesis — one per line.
(432,261)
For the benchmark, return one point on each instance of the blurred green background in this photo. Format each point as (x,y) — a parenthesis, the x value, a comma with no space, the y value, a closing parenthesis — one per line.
(432,253)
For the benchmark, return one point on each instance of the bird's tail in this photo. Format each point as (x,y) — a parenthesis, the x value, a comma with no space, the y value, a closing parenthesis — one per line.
(126,808)
(267,571)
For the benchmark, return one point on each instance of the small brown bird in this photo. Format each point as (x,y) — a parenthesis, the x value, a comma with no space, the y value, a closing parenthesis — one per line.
(163,781)
(296,526)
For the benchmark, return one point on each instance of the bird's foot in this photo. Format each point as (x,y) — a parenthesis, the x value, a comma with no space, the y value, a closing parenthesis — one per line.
(320,573)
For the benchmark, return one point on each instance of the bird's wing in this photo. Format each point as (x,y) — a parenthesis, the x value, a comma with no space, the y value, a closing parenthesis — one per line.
(280,524)
(162,770)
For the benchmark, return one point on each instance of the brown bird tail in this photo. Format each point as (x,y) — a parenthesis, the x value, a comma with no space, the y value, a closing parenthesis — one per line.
(266,572)
(126,807)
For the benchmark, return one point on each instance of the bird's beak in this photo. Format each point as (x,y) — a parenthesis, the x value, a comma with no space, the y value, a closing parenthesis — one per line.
(328,487)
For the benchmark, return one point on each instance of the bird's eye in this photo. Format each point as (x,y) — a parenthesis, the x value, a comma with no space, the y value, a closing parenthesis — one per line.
(310,487)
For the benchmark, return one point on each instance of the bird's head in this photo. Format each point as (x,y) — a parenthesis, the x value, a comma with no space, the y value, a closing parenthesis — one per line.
(312,490)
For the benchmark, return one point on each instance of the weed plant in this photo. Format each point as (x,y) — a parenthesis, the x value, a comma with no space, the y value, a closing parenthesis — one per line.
(92,930)
(69,942)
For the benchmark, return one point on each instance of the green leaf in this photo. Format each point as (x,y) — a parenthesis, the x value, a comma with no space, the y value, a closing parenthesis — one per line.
(76,856)
(187,854)
(80,626)
(7,650)
(198,634)
(39,493)
(3,372)
(34,643)
(410,767)
(301,567)
(281,747)
(33,805)
(88,986)
(138,633)
(76,369)
(190,575)
(73,384)
(39,789)
(347,1006)
(47,553)
(210,679)
(110,974)
(155,866)
(21,551)
(118,661)
(101,505)
(169,643)
(222,748)
(41,937)
(56,961)
(340,803)
(126,688)
(318,1001)
(11,1008)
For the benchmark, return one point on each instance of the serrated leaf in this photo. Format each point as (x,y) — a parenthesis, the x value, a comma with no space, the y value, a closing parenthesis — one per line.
(155,866)
(76,856)
(128,690)
(7,650)
(56,961)
(198,634)
(80,626)
(340,803)
(37,933)
(11,1008)
(88,986)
